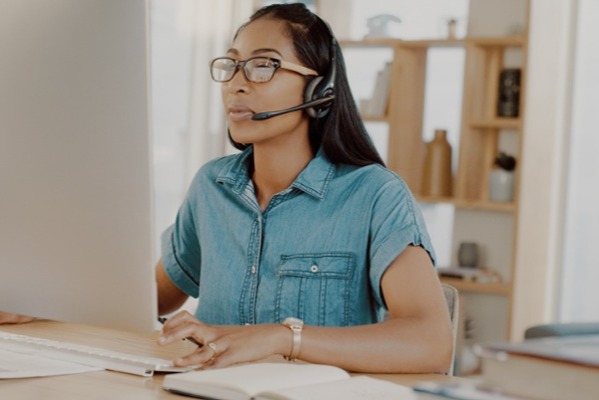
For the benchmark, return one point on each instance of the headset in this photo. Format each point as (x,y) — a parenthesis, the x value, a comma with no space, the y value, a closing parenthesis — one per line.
(319,93)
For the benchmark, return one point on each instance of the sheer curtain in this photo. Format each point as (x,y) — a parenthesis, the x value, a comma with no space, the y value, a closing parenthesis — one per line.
(580,262)
(187,118)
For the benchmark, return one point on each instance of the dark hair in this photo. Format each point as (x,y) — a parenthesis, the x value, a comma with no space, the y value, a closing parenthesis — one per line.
(341,133)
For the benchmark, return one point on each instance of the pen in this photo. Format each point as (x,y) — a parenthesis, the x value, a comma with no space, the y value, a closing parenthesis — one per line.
(162,320)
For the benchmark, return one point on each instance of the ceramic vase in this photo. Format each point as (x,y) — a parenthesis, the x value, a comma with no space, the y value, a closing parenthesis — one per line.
(468,255)
(501,185)
(437,178)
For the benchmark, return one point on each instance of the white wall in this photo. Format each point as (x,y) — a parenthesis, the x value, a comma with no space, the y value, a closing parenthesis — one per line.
(546,126)
(496,17)
(580,267)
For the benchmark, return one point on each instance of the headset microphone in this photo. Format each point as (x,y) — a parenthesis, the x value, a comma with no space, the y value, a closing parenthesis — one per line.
(269,114)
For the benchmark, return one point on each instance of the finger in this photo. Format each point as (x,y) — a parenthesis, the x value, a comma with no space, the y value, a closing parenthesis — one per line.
(227,354)
(178,319)
(9,318)
(205,356)
(224,360)
(192,329)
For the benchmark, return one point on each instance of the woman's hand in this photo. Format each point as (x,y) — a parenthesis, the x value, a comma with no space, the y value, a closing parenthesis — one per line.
(225,345)
(9,318)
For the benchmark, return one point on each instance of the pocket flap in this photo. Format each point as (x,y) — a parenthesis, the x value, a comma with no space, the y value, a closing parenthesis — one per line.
(318,265)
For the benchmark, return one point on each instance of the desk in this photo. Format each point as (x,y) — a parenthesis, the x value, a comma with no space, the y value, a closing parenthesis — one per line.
(114,385)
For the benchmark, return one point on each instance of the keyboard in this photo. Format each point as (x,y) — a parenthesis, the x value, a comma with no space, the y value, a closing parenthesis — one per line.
(87,355)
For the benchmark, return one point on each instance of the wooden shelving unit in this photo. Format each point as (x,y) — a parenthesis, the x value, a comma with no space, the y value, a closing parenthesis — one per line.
(480,125)
(479,136)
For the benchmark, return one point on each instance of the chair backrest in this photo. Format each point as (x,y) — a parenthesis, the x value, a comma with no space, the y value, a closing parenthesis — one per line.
(453,303)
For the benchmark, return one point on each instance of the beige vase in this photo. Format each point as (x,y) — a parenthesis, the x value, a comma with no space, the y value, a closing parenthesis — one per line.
(437,178)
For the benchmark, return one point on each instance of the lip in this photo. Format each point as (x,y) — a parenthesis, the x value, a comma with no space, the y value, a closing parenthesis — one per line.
(239,112)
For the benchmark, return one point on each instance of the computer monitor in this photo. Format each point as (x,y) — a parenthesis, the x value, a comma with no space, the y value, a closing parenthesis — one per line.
(75,162)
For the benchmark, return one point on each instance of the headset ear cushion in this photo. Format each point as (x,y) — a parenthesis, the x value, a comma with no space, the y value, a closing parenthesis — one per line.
(311,93)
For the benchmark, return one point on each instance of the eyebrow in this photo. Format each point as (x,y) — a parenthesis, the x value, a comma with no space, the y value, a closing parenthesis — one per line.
(257,51)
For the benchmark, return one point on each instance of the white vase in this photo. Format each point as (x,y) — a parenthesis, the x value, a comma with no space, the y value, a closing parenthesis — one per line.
(501,185)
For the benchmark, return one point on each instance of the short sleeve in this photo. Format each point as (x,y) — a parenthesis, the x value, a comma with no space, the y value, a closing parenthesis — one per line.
(396,223)
(181,252)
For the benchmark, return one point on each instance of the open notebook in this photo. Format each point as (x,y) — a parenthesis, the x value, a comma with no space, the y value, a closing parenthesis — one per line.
(284,381)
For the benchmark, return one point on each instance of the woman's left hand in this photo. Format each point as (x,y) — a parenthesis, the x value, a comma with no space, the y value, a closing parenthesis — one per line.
(224,345)
(10,318)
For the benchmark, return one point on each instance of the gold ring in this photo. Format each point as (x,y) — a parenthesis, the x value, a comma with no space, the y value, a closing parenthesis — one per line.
(212,346)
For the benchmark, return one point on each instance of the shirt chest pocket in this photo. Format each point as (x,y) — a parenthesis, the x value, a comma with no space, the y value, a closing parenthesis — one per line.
(315,288)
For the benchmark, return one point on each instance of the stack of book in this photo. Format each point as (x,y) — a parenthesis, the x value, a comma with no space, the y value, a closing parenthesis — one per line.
(555,368)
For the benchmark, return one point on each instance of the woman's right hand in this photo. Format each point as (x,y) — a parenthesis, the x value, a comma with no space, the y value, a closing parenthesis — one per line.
(10,318)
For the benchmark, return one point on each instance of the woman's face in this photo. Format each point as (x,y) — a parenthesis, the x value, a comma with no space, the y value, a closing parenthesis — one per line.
(242,98)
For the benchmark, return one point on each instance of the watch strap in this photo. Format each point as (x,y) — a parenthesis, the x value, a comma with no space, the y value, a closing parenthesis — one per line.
(296,327)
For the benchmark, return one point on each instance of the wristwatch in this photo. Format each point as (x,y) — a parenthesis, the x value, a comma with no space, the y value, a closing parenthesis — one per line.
(296,325)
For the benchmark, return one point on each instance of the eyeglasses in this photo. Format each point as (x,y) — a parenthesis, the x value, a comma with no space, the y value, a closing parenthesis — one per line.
(255,69)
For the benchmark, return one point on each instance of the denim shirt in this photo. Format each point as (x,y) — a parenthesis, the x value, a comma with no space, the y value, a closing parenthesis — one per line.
(317,252)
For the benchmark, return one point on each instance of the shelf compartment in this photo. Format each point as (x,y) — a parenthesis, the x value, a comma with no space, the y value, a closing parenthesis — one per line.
(496,123)
(375,118)
(479,141)
(481,205)
(508,41)
(502,289)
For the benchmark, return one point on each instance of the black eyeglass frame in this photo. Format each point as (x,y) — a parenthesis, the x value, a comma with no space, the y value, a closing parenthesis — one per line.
(299,69)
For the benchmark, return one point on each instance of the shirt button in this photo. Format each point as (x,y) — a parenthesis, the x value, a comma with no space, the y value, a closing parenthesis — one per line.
(314,268)
(253,270)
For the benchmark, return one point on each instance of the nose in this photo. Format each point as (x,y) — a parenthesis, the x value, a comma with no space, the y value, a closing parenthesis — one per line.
(238,83)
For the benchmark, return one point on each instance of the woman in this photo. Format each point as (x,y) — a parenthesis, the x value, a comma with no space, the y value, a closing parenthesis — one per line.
(306,222)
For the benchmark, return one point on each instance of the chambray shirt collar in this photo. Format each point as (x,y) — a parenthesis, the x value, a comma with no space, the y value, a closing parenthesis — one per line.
(313,180)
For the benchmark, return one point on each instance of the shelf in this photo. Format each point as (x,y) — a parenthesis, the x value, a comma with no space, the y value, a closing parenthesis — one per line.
(496,123)
(509,41)
(502,289)
(426,43)
(375,118)
(370,42)
(481,205)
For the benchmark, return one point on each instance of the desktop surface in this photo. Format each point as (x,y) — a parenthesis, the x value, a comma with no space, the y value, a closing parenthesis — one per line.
(108,384)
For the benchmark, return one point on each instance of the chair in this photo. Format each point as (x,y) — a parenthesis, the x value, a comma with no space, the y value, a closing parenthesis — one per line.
(453,303)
